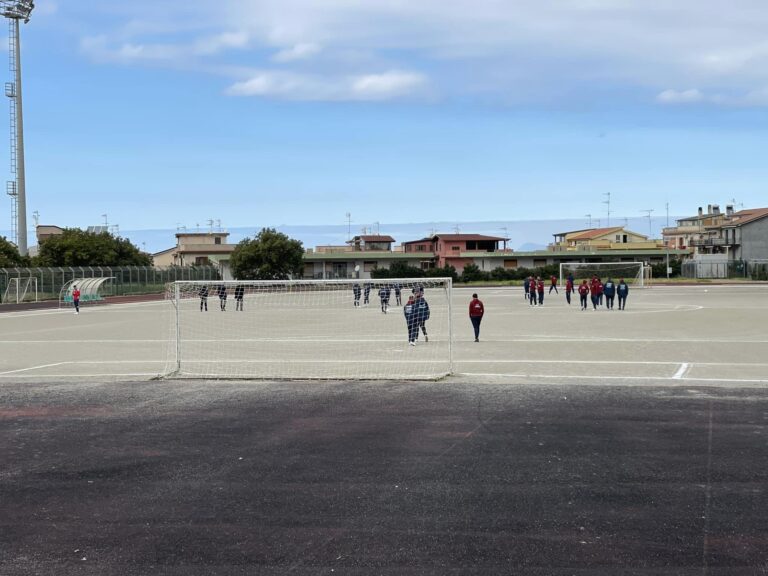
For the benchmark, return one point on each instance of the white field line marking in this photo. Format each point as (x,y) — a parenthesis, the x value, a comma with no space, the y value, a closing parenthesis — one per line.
(83,309)
(628,362)
(32,368)
(573,377)
(89,375)
(681,371)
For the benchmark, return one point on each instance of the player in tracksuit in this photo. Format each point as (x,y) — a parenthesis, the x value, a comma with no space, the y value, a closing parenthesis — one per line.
(384,297)
(239,291)
(553,284)
(356,293)
(203,293)
(366,293)
(223,297)
(476,311)
(609,289)
(568,289)
(532,291)
(421,312)
(398,299)
(76,298)
(595,289)
(583,292)
(409,311)
(527,287)
(540,290)
(622,290)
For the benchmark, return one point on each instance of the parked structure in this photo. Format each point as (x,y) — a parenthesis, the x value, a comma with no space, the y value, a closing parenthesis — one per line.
(615,238)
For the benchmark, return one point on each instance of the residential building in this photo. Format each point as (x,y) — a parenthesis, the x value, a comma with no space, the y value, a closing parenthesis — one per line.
(593,239)
(198,249)
(701,227)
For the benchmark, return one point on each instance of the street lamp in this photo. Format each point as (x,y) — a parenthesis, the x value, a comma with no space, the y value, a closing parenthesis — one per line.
(16,10)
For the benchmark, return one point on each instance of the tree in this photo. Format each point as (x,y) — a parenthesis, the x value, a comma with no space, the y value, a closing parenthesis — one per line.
(75,247)
(472,273)
(9,255)
(398,270)
(271,255)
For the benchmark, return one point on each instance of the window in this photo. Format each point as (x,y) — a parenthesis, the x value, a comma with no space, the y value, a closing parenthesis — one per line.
(510,263)
(202,261)
(420,248)
(455,248)
(217,240)
(370,266)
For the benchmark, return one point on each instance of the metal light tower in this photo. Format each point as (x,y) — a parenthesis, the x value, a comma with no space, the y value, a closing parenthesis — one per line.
(16,10)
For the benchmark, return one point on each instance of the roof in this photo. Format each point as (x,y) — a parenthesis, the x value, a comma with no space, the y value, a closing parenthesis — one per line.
(360,256)
(458,238)
(595,233)
(746,216)
(373,238)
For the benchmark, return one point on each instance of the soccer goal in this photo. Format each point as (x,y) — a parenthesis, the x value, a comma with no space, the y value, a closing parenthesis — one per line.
(18,289)
(636,274)
(307,329)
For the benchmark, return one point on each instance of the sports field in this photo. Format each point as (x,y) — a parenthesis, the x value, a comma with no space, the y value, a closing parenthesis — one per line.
(715,334)
(566,442)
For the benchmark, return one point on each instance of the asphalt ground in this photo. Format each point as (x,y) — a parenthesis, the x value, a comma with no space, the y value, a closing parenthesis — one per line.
(205,478)
(566,442)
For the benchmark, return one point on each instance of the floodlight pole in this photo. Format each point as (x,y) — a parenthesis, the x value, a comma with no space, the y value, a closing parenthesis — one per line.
(14,11)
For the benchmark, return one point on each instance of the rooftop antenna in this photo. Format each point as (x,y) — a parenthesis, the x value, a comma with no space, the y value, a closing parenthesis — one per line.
(457,229)
(210,225)
(218,224)
(36,217)
(197,227)
(608,202)
(14,11)
(590,219)
(377,228)
(115,229)
(648,215)
(349,226)
(106,222)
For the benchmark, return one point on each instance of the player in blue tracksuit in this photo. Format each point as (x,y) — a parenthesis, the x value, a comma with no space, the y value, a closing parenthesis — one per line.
(609,290)
(409,310)
(421,312)
(384,297)
(398,288)
(366,293)
(356,293)
(527,287)
(622,290)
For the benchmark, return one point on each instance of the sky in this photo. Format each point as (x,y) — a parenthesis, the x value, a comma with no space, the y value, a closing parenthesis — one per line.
(298,112)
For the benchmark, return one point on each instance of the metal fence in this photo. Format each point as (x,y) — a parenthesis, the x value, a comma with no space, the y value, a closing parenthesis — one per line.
(126,279)
(749,269)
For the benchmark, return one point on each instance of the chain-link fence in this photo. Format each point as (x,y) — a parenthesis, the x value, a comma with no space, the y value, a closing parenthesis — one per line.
(126,279)
(747,269)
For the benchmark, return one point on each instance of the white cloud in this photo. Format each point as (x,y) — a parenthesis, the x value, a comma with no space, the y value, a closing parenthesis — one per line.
(371,87)
(533,49)
(680,96)
(297,52)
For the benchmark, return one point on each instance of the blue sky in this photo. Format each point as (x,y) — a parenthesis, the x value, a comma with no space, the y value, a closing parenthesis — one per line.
(295,112)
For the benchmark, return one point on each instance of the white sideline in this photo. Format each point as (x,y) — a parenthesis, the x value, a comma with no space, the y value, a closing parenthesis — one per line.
(681,371)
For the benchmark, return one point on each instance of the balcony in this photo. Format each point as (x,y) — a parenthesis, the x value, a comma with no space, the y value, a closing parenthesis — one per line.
(711,242)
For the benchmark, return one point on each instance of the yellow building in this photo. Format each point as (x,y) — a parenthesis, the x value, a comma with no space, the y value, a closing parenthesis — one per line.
(615,238)
(198,249)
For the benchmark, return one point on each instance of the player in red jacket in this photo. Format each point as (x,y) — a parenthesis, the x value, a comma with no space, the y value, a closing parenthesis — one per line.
(476,311)
(553,284)
(540,290)
(583,292)
(76,298)
(595,289)
(568,289)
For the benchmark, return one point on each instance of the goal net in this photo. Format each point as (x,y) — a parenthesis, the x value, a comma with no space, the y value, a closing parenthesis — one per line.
(308,329)
(635,274)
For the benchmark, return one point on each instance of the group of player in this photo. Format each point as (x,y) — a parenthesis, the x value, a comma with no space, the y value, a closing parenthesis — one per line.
(385,293)
(221,292)
(594,288)
(416,309)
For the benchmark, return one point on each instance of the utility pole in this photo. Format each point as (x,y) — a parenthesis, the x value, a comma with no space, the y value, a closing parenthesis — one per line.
(349,226)
(666,244)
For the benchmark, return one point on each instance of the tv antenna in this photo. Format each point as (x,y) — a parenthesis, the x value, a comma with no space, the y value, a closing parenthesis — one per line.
(349,226)
(590,219)
(648,215)
(608,202)
(14,11)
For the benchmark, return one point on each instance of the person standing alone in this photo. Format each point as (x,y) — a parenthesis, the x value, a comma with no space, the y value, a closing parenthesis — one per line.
(76,298)
(622,290)
(476,311)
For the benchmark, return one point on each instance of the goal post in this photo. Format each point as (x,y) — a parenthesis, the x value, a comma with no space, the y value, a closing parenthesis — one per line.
(308,329)
(636,274)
